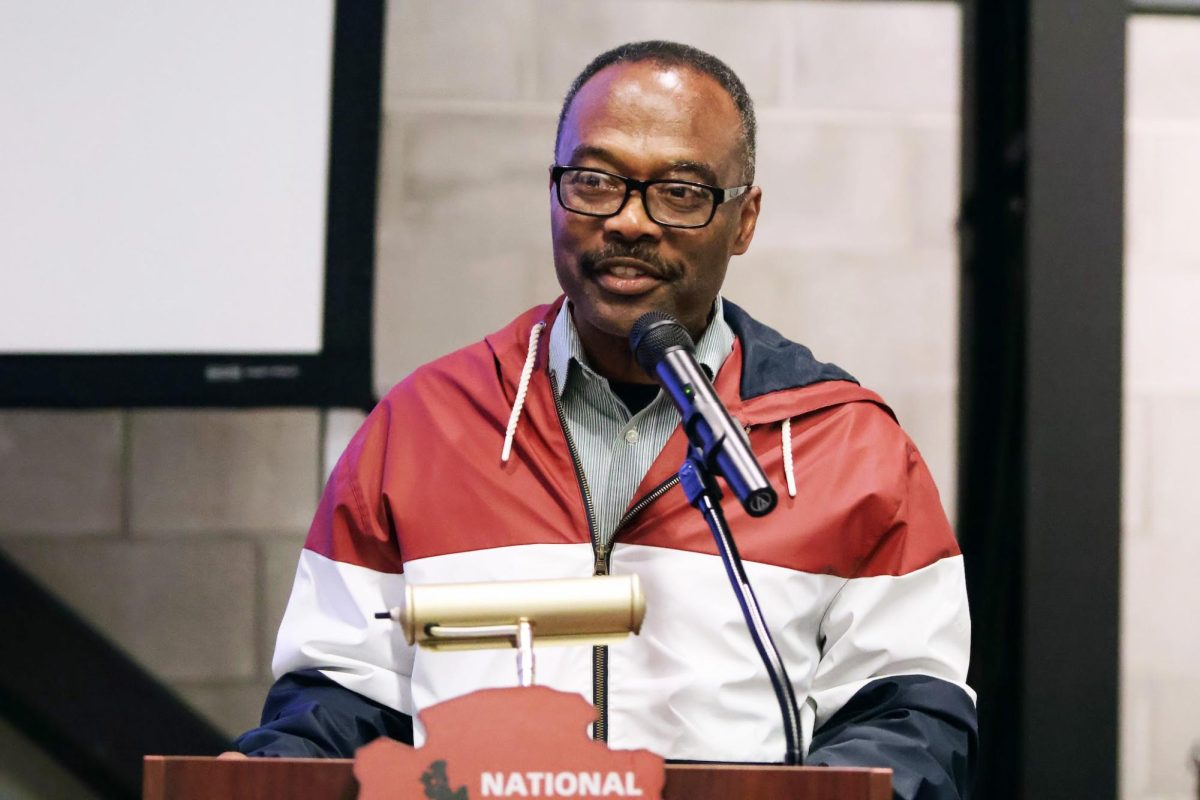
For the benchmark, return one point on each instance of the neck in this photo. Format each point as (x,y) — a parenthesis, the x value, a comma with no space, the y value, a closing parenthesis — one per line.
(610,356)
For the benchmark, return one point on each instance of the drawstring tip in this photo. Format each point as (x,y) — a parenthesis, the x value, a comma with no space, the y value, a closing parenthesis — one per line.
(789,470)
(522,388)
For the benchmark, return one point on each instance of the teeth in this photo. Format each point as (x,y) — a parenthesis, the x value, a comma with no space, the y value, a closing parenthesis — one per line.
(626,272)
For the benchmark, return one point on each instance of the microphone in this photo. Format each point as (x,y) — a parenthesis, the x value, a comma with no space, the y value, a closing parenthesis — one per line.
(664,350)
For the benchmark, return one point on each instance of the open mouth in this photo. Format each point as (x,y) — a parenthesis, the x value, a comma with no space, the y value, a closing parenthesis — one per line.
(626,276)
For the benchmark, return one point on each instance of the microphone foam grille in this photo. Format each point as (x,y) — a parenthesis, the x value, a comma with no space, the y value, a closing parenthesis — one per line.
(653,335)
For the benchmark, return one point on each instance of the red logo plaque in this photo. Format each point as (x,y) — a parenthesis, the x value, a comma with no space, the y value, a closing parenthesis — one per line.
(528,742)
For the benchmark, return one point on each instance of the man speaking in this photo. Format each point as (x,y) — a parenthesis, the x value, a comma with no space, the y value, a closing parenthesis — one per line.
(545,451)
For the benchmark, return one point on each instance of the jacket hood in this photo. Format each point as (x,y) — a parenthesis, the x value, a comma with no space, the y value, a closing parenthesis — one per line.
(767,378)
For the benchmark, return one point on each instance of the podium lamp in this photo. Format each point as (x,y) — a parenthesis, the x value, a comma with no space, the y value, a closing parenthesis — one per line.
(479,616)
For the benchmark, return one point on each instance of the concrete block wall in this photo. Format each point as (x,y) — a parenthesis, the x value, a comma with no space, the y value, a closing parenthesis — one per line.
(175,532)
(1160,643)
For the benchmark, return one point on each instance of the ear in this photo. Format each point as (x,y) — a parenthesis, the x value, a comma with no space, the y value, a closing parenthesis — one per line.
(747,220)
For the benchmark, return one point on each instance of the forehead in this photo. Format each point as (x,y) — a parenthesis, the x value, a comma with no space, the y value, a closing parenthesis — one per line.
(648,116)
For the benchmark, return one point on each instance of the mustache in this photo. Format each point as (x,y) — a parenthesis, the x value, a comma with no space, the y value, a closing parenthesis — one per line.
(641,251)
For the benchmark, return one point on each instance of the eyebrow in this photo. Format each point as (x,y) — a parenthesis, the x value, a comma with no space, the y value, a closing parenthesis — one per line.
(703,171)
(706,173)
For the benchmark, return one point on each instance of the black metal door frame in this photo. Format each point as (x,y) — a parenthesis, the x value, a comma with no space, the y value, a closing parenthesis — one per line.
(1040,383)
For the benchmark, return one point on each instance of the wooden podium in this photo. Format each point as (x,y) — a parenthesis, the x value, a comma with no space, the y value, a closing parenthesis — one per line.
(192,778)
(491,743)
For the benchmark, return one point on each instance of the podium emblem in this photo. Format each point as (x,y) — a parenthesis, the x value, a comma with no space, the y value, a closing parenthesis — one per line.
(521,742)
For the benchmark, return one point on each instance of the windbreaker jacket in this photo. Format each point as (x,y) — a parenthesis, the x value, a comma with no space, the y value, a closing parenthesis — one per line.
(858,574)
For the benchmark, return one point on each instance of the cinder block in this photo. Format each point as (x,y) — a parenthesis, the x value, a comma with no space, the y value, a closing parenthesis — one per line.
(1174,518)
(1159,600)
(60,472)
(934,186)
(340,426)
(1135,460)
(1136,733)
(184,609)
(1163,68)
(478,182)
(1179,154)
(234,707)
(1162,330)
(885,56)
(279,560)
(891,321)
(461,254)
(393,160)
(746,36)
(436,296)
(764,283)
(444,155)
(1143,195)
(204,471)
(834,184)
(1176,705)
(458,49)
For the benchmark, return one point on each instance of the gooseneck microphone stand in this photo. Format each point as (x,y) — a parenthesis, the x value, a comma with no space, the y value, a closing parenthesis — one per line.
(704,494)
(656,336)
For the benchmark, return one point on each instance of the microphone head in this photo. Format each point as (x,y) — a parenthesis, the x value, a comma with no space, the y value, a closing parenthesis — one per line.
(653,335)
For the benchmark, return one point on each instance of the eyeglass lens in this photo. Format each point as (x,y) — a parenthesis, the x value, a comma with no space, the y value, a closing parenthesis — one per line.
(669,203)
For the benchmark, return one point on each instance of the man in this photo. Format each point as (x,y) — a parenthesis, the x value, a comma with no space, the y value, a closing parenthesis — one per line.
(544,451)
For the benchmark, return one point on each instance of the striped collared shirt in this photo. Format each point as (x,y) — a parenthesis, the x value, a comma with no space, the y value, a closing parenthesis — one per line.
(616,448)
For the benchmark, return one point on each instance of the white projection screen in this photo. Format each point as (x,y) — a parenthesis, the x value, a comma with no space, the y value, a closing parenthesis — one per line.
(187,202)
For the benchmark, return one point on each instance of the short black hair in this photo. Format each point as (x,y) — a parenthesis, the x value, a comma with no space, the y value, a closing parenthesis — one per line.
(673,54)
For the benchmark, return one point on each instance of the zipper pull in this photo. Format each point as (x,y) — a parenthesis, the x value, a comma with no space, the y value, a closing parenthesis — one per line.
(601,565)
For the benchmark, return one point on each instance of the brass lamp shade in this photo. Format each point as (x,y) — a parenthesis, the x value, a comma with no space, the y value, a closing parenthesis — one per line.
(470,616)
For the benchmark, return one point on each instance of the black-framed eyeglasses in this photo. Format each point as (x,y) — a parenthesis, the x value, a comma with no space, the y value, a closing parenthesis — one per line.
(673,203)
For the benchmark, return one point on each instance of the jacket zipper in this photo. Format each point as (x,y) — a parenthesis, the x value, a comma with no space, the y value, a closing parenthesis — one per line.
(603,553)
(647,499)
(599,652)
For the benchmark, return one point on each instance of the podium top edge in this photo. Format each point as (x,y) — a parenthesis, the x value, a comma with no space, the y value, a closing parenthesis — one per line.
(691,767)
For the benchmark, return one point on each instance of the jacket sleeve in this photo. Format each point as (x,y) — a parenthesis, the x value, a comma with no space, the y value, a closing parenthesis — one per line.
(923,728)
(309,716)
(343,676)
(890,688)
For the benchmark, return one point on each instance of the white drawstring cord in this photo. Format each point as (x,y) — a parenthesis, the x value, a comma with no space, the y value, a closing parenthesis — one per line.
(789,471)
(522,388)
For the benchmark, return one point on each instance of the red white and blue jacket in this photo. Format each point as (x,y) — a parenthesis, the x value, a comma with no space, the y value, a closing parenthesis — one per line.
(859,575)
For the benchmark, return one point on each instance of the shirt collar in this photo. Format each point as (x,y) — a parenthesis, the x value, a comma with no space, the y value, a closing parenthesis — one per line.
(714,346)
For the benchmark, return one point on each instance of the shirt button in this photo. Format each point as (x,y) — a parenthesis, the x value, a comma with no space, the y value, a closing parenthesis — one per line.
(631,436)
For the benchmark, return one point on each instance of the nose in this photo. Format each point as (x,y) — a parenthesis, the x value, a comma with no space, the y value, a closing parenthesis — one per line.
(632,222)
